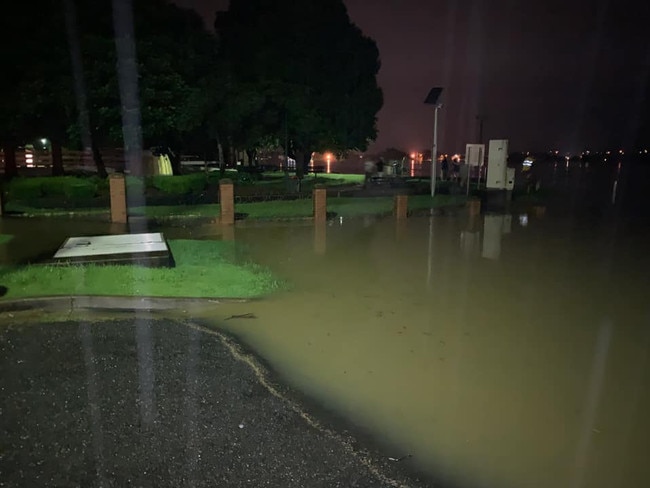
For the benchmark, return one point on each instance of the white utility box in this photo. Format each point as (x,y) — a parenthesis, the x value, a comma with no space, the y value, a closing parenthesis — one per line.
(497,164)
(510,179)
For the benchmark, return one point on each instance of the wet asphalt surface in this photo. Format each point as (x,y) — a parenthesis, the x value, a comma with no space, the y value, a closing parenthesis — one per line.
(159,403)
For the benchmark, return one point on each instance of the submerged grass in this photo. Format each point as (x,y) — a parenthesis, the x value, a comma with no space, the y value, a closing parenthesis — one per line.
(31,211)
(422,202)
(161,211)
(204,269)
(272,209)
(277,209)
(4,238)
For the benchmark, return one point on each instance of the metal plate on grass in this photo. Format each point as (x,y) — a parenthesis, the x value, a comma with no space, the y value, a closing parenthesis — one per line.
(147,249)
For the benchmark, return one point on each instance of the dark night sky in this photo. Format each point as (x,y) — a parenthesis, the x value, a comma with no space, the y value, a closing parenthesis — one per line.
(545,74)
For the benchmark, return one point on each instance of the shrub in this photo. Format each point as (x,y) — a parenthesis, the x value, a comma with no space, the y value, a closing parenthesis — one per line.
(179,185)
(25,188)
(80,189)
(101,184)
(55,186)
(135,184)
(51,186)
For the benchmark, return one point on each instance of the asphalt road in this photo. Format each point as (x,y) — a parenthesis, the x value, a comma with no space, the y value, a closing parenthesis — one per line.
(166,404)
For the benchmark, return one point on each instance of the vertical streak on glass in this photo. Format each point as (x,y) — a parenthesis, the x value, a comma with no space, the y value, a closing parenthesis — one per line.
(92,391)
(146,374)
(635,116)
(591,403)
(192,441)
(451,33)
(430,253)
(469,104)
(78,75)
(589,67)
(632,401)
(127,75)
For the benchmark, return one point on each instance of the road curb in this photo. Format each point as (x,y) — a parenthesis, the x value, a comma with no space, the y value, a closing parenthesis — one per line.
(91,302)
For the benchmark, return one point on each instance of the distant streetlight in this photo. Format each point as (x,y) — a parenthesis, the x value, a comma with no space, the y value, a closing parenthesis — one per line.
(433,99)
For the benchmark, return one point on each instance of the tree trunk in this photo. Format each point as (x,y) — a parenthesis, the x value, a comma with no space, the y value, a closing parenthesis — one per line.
(127,77)
(251,157)
(99,162)
(232,156)
(302,163)
(222,161)
(79,82)
(175,160)
(11,170)
(57,158)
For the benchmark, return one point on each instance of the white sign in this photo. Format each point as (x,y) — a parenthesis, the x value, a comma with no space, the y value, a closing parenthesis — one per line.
(475,154)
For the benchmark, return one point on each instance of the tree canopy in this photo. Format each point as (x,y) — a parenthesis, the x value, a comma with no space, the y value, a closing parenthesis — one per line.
(311,72)
(174,53)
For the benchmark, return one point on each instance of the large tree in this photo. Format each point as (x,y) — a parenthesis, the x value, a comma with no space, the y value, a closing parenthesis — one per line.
(64,53)
(312,71)
(174,54)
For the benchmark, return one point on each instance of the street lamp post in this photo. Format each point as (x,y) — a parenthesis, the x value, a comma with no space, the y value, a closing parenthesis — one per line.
(432,99)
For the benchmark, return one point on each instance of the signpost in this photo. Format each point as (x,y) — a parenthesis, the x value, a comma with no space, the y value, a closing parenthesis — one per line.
(474,157)
(432,99)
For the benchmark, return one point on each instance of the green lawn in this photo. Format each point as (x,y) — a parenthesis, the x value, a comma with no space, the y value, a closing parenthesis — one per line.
(340,179)
(203,269)
(276,209)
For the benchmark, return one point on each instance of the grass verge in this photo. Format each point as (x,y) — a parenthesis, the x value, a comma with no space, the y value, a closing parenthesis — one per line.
(204,269)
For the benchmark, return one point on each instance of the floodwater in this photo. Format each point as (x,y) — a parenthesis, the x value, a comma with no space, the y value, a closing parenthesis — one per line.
(498,350)
(503,351)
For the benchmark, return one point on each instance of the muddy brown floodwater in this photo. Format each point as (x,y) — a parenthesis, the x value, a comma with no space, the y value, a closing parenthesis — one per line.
(504,350)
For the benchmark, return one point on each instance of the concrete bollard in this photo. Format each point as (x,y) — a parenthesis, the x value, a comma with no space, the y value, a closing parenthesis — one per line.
(473,207)
(227,202)
(117,186)
(400,206)
(319,196)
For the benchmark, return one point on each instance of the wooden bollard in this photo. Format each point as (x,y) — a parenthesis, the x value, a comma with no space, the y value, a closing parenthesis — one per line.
(473,207)
(400,207)
(227,201)
(117,186)
(319,196)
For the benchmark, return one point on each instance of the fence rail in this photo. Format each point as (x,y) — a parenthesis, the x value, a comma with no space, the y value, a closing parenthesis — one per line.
(40,158)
